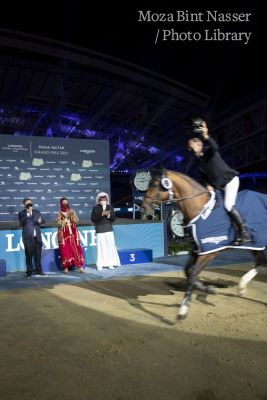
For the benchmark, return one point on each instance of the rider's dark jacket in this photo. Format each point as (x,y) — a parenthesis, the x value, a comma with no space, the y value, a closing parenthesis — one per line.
(214,171)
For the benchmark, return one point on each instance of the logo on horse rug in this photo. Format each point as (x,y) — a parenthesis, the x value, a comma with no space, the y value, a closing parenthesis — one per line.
(215,231)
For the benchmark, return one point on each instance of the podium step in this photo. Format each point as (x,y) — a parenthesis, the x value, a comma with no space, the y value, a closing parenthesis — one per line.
(135,256)
(2,268)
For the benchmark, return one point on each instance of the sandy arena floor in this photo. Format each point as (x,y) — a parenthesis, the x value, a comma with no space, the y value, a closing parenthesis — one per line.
(119,340)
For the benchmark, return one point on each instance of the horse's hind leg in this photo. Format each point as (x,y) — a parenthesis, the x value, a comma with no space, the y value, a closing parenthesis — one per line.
(193,268)
(261,262)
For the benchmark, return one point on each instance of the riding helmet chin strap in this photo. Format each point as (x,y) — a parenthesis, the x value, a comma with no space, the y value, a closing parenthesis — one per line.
(166,183)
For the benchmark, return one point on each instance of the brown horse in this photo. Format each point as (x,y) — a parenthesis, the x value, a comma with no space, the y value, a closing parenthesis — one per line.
(191,197)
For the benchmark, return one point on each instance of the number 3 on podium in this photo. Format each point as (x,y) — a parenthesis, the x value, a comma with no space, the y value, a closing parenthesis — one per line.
(132,257)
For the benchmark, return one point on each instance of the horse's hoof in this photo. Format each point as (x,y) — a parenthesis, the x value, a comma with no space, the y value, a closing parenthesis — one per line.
(242,291)
(181,317)
(211,290)
(183,311)
(200,287)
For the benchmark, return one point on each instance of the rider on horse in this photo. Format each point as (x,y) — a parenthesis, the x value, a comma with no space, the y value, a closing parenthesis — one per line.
(217,174)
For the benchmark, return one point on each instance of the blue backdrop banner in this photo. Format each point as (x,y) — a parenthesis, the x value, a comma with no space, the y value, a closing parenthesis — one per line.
(46,169)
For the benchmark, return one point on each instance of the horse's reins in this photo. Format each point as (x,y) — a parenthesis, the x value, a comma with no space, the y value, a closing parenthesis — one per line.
(179,198)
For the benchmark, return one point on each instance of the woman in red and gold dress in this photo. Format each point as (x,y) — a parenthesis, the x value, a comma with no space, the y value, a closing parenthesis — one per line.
(68,238)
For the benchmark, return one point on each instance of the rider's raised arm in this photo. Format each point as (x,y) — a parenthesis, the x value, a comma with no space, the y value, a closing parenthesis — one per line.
(207,139)
(212,143)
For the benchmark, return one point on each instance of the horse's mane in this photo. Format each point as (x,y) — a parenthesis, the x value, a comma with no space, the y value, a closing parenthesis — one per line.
(157,174)
(190,180)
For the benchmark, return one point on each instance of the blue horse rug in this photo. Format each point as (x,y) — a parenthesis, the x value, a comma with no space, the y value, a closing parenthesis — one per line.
(212,229)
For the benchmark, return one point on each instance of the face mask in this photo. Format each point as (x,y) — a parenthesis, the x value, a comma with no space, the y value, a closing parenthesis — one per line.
(28,205)
(64,207)
(103,204)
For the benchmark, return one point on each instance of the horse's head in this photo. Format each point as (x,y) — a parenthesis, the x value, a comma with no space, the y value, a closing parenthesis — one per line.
(155,192)
(169,185)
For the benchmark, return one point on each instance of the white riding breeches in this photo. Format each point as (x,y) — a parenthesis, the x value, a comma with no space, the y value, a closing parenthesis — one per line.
(230,193)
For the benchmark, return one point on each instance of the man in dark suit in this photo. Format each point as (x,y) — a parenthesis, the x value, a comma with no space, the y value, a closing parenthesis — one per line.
(30,221)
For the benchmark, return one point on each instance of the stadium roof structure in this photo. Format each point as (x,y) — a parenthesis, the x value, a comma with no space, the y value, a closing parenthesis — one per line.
(55,89)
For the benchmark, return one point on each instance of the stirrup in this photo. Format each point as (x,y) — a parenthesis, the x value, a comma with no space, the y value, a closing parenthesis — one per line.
(241,240)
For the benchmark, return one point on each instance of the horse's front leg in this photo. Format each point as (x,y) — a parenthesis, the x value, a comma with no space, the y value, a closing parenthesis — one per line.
(190,264)
(193,268)
(188,269)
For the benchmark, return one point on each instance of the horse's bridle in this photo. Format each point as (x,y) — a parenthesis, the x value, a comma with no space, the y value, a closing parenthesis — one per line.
(179,198)
(172,199)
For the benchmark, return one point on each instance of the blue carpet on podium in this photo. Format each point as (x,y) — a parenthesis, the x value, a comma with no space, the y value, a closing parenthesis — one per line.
(17,280)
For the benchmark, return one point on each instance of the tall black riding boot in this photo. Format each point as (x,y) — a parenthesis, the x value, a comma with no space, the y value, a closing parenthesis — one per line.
(243,235)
